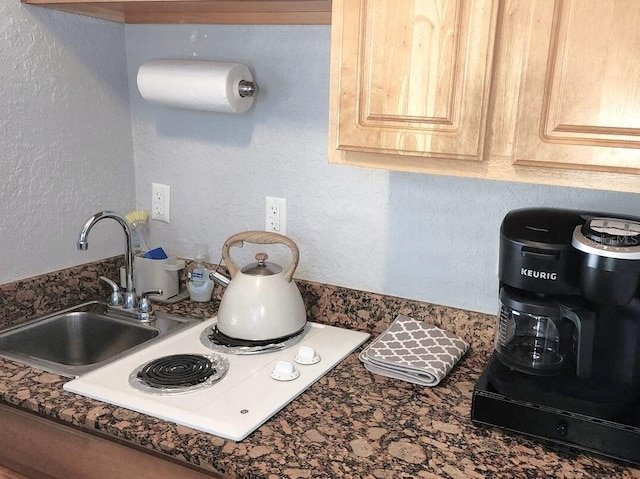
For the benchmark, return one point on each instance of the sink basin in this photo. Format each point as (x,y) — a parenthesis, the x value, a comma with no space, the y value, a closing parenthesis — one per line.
(77,340)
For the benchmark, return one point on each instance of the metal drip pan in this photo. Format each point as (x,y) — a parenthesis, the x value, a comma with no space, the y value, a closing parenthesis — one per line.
(213,340)
(218,364)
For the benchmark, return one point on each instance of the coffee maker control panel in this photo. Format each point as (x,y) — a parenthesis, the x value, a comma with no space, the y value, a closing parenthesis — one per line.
(610,237)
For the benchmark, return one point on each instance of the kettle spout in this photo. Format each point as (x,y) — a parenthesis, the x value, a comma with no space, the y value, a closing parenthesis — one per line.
(220,278)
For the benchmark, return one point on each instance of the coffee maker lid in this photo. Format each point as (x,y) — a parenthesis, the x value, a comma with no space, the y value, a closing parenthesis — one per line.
(609,237)
(548,227)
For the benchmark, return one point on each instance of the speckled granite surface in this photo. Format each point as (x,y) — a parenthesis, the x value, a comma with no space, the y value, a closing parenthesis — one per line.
(350,424)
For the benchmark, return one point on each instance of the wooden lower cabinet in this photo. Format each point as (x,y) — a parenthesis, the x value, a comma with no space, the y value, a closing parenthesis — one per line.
(33,447)
(10,474)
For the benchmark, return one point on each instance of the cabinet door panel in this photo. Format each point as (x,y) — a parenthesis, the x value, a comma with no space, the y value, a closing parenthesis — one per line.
(414,76)
(408,75)
(580,105)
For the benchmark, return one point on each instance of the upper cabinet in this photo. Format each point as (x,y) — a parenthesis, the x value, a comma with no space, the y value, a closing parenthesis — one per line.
(579,76)
(537,91)
(413,76)
(280,12)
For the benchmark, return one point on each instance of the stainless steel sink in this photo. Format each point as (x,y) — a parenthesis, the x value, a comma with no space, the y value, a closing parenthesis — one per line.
(77,340)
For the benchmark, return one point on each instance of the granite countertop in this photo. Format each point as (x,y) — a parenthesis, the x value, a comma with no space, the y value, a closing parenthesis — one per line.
(350,424)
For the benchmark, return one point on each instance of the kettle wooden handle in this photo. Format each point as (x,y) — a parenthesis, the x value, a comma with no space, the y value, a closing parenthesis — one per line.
(260,237)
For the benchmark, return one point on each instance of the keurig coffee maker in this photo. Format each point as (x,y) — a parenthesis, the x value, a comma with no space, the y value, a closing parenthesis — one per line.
(566,364)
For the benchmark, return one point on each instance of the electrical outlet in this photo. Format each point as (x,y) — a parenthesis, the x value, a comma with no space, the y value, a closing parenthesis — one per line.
(275,217)
(160,201)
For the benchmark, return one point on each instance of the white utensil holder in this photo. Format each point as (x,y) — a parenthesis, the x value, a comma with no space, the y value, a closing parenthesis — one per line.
(152,274)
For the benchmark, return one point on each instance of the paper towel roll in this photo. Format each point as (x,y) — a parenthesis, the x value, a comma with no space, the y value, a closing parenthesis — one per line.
(195,84)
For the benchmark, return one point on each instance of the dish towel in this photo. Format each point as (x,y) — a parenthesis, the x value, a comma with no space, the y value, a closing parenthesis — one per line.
(414,351)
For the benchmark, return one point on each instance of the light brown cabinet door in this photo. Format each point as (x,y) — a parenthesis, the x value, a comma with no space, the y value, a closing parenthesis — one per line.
(577,65)
(411,77)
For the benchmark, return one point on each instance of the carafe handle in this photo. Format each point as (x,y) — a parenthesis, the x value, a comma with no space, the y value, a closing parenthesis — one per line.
(585,323)
(260,237)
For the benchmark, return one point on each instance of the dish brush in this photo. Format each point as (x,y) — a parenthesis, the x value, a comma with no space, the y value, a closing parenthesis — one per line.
(139,221)
(138,215)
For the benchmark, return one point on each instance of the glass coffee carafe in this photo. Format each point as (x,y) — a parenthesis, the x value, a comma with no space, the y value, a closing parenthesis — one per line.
(541,336)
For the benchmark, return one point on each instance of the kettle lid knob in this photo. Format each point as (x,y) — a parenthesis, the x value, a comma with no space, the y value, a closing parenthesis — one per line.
(262,267)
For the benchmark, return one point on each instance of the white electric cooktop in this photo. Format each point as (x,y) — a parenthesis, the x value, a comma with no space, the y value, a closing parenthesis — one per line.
(247,395)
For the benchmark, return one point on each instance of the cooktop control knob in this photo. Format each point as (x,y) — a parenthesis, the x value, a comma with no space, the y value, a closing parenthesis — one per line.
(285,371)
(307,355)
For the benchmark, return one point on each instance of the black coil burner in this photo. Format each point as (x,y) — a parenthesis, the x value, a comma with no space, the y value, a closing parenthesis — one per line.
(178,370)
(221,339)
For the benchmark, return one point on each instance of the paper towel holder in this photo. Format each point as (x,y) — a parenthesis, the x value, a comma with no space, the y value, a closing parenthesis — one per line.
(247,88)
(206,85)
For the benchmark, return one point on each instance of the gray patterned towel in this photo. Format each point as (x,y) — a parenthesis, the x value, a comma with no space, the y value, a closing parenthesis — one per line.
(414,351)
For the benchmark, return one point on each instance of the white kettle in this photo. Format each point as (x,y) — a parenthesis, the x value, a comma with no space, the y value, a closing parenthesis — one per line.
(261,302)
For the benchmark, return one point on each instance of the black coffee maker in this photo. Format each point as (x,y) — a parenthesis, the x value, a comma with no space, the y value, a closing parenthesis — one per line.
(566,363)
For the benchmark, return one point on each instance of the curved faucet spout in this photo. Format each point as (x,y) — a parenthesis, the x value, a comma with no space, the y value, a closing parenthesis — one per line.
(83,244)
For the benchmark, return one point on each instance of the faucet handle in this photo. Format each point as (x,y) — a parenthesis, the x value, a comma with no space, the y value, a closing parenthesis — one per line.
(144,306)
(116,297)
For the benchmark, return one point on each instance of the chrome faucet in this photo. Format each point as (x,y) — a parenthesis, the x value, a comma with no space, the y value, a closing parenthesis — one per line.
(129,296)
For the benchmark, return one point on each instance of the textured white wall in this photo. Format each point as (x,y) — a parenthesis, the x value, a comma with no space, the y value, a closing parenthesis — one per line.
(65,138)
(417,236)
